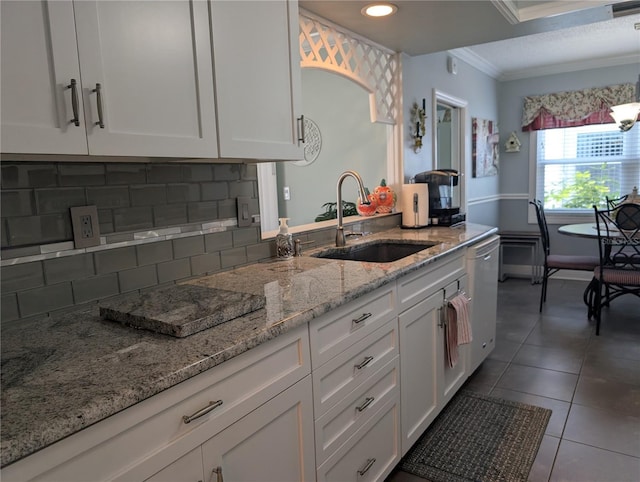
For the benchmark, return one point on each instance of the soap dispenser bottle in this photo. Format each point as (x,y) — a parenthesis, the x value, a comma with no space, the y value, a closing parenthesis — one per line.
(284,240)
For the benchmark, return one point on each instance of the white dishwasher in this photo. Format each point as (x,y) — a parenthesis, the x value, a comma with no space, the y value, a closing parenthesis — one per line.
(482,269)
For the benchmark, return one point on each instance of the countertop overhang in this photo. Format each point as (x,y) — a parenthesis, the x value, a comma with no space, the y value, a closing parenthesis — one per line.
(63,373)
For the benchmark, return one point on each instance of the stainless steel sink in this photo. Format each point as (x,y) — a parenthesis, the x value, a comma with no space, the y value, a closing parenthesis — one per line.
(376,251)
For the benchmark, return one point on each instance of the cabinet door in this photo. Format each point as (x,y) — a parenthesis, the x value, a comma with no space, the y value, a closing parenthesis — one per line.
(257,78)
(419,333)
(450,379)
(39,60)
(152,61)
(274,443)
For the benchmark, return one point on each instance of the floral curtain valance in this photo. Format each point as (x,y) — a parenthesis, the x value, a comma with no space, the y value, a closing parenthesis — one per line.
(575,108)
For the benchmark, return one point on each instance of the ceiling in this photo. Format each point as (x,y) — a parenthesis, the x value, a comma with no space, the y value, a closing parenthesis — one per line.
(506,39)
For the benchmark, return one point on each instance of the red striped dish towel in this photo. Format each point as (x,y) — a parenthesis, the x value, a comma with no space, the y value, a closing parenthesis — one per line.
(458,326)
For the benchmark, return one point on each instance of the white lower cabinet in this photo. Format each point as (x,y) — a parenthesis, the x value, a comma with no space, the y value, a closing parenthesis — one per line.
(272,444)
(427,383)
(356,378)
(371,454)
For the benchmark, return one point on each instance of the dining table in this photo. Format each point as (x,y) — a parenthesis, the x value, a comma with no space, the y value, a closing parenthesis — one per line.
(582,230)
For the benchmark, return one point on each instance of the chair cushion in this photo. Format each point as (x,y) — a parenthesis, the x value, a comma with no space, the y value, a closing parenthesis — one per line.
(567,261)
(626,277)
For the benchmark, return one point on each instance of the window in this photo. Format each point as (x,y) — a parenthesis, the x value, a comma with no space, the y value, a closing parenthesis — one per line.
(577,167)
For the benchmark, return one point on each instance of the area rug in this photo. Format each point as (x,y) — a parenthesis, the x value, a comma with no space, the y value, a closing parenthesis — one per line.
(479,438)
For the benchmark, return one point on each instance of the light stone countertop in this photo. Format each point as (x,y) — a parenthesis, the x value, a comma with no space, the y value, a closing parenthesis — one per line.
(61,374)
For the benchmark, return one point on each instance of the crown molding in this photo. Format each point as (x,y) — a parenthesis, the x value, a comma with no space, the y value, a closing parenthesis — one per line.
(478,62)
(566,67)
(508,10)
(475,60)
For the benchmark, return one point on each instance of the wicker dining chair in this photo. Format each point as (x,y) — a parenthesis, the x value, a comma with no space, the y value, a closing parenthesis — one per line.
(555,262)
(618,272)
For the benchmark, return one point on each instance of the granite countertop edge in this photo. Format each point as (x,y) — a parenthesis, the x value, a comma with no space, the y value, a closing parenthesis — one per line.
(21,437)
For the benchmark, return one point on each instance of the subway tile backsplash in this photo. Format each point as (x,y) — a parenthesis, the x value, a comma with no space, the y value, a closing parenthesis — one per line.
(131,198)
(162,222)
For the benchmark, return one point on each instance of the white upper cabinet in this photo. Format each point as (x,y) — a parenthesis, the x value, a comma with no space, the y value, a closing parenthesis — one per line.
(143,76)
(39,63)
(152,63)
(257,78)
(143,72)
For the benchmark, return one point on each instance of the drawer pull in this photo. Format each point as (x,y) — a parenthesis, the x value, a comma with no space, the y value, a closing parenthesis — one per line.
(98,91)
(218,472)
(362,318)
(364,469)
(367,401)
(364,363)
(203,411)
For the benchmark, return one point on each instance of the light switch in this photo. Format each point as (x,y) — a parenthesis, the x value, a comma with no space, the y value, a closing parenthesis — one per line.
(244,217)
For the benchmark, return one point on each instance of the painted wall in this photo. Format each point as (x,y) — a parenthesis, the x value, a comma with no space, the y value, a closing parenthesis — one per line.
(514,175)
(340,108)
(422,74)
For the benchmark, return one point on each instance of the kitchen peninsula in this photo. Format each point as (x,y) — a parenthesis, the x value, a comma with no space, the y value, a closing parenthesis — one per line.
(70,375)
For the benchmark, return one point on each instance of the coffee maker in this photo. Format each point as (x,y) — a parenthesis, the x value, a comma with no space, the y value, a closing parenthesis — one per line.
(441,189)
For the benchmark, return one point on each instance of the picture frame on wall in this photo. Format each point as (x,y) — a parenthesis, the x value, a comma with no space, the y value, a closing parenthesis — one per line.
(485,147)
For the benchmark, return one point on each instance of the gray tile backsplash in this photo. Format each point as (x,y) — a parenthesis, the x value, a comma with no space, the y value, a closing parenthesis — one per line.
(131,198)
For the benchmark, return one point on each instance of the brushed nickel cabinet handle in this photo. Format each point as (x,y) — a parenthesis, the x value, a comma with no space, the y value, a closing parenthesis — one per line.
(74,101)
(98,91)
(364,363)
(364,469)
(362,318)
(367,401)
(301,136)
(218,472)
(203,411)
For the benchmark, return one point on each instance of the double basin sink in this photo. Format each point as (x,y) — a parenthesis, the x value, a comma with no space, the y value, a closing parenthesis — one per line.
(385,251)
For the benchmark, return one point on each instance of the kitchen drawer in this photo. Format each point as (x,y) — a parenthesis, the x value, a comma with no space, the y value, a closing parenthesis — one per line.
(417,286)
(336,426)
(343,373)
(130,437)
(338,329)
(371,454)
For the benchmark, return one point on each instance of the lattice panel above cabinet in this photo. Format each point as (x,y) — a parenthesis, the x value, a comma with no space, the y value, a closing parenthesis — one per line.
(329,47)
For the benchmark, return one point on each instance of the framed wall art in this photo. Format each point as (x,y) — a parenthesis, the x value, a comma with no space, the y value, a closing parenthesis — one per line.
(485,147)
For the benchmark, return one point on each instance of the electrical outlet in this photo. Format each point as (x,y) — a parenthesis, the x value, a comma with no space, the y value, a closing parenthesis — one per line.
(86,230)
(286,193)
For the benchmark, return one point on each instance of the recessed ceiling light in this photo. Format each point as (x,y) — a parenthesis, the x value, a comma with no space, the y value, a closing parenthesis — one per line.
(382,9)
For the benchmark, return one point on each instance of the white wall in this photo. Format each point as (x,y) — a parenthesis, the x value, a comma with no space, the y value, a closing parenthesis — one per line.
(422,74)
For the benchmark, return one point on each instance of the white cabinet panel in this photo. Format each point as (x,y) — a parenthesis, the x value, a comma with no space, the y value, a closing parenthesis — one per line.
(272,444)
(371,454)
(482,266)
(450,379)
(418,362)
(153,63)
(257,77)
(39,59)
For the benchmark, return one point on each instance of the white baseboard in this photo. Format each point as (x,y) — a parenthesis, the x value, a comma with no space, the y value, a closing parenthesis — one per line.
(524,271)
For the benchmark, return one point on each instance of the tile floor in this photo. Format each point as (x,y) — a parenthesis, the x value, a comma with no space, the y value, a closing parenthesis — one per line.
(554,359)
